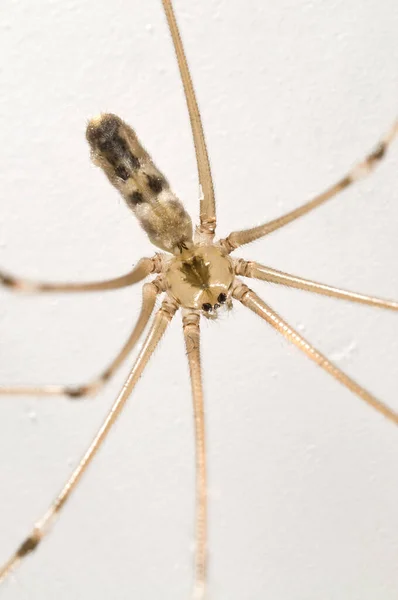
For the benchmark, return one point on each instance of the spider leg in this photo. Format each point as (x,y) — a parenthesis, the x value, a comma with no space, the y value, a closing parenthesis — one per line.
(207,201)
(253,269)
(42,527)
(248,298)
(192,345)
(359,171)
(144,267)
(149,294)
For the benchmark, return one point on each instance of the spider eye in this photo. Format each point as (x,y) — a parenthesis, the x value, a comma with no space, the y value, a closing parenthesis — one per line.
(222,298)
(207,306)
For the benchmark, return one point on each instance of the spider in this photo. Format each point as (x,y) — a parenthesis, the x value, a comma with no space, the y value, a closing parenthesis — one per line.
(194,273)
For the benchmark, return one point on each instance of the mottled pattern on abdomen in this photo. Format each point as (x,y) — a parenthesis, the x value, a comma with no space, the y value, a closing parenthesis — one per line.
(117,150)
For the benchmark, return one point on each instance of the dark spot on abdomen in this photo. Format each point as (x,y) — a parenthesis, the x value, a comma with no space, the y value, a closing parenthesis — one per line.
(136,198)
(122,172)
(104,136)
(155,183)
(132,160)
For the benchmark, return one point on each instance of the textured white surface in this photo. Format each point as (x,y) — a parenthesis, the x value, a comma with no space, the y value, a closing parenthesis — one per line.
(304,483)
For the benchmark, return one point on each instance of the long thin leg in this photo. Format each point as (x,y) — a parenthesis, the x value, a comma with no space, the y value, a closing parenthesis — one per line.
(207,201)
(253,269)
(149,293)
(359,171)
(192,344)
(252,301)
(42,527)
(144,267)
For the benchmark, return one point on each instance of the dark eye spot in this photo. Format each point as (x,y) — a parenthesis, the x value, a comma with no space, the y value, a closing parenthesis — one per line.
(207,306)
(222,298)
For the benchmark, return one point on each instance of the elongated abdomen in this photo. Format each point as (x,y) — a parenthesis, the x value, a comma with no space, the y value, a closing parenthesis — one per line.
(117,150)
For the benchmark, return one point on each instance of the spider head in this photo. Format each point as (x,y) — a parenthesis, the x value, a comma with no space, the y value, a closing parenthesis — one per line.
(201,279)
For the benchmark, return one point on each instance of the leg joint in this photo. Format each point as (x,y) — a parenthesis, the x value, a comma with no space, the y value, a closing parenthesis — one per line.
(243,267)
(190,320)
(240,291)
(227,245)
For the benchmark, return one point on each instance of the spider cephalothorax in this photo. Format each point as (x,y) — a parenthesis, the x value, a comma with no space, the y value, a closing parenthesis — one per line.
(194,273)
(201,278)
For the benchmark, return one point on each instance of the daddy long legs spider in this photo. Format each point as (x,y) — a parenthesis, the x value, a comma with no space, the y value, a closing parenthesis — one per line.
(251,252)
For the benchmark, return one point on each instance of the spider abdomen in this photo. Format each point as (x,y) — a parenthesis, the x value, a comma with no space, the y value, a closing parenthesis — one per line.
(117,150)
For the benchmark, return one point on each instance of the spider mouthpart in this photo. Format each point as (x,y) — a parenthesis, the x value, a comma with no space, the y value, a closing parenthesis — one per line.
(222,298)
(207,306)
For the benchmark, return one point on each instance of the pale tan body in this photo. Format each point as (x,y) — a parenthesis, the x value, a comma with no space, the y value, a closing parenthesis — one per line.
(196,274)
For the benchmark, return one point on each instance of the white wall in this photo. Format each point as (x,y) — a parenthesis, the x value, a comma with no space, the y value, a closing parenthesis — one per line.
(304,484)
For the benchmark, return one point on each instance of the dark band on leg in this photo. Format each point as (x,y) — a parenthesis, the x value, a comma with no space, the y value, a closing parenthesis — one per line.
(77,392)
(379,153)
(29,545)
(8,281)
